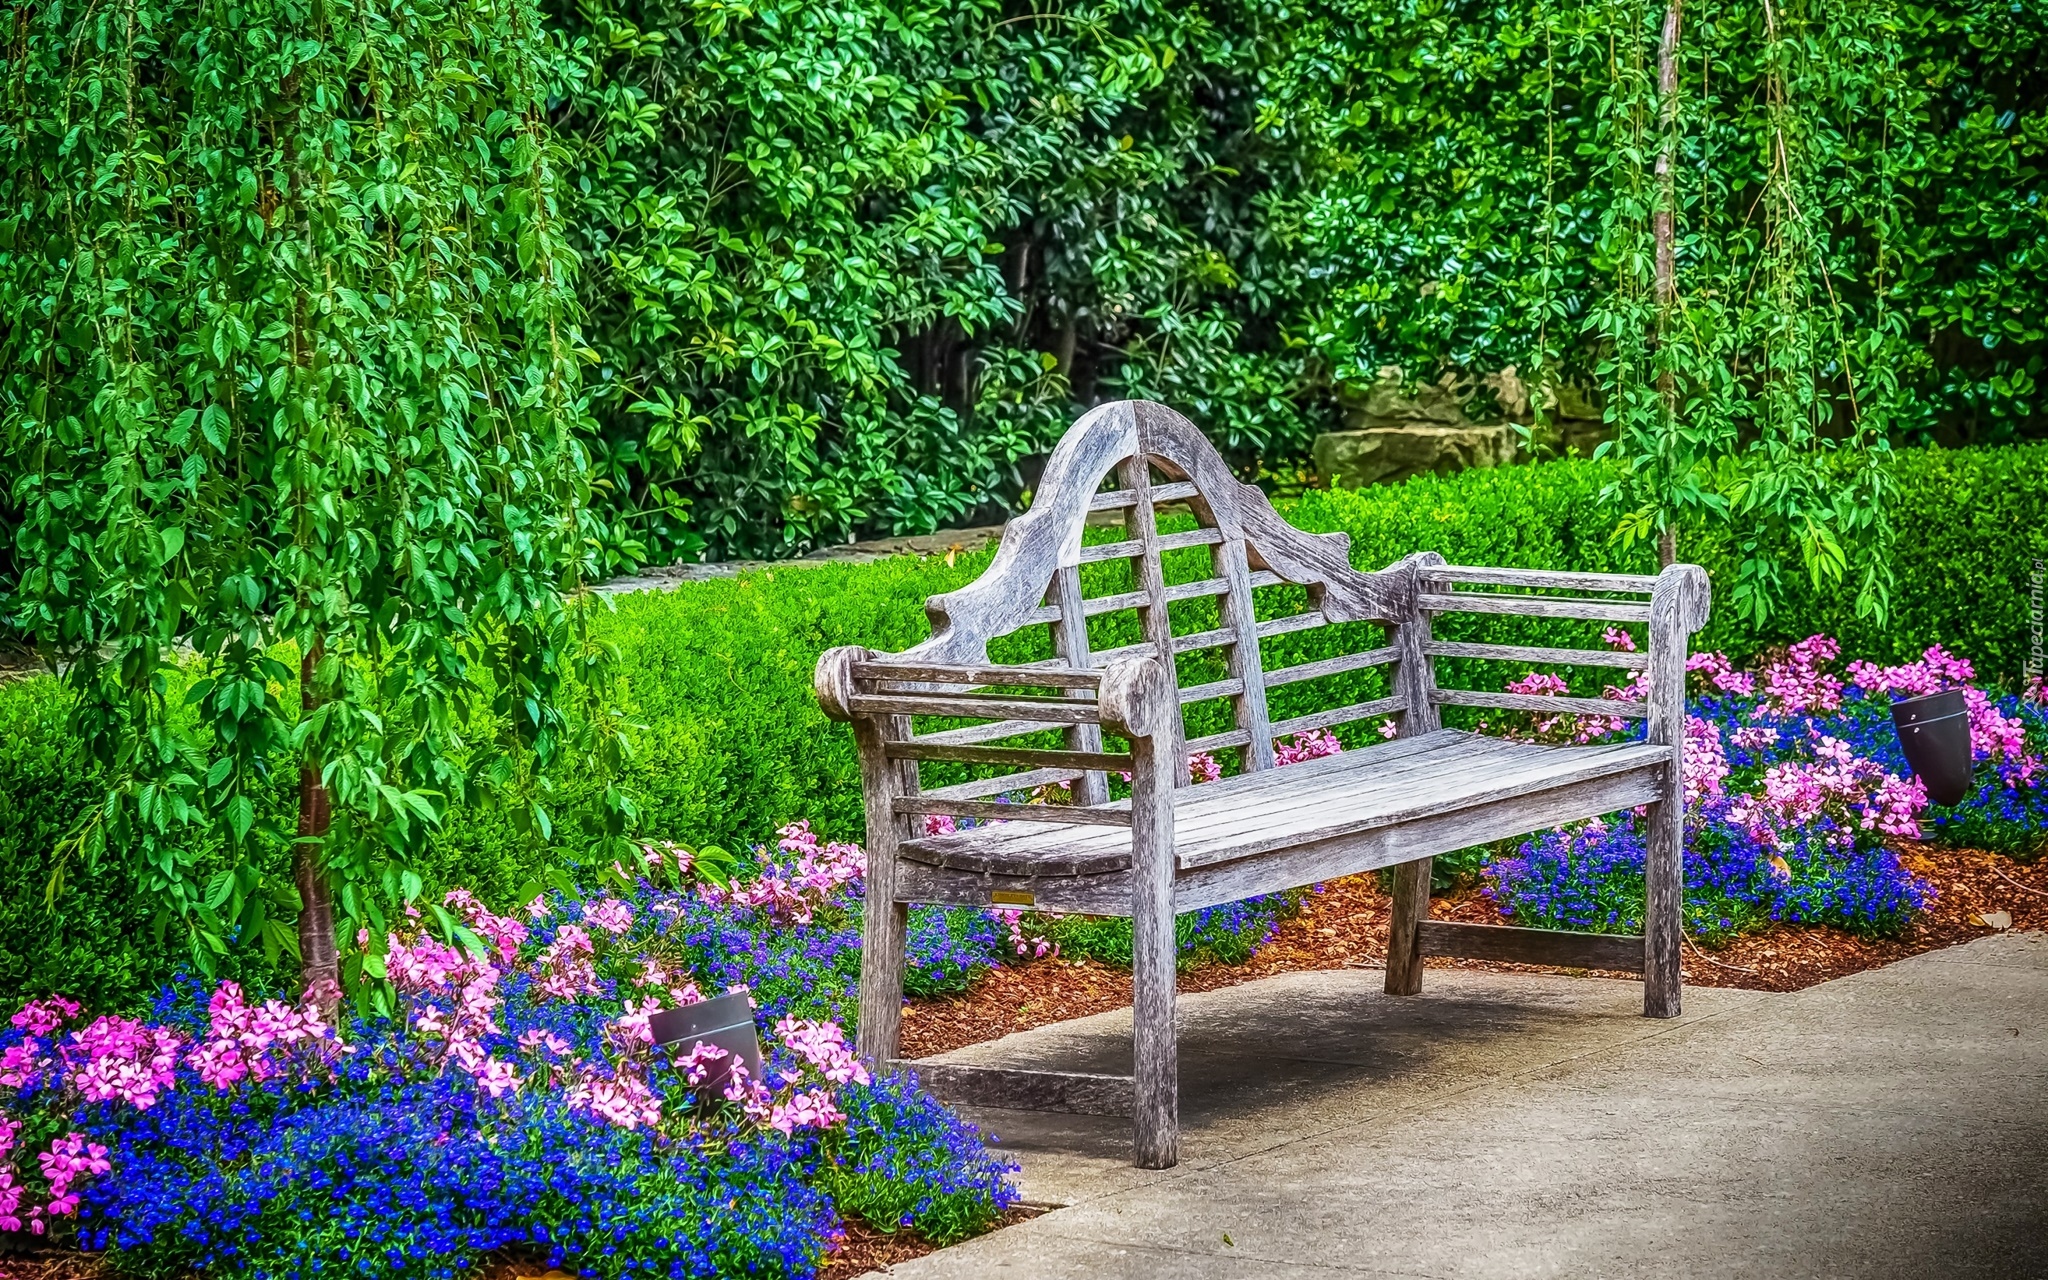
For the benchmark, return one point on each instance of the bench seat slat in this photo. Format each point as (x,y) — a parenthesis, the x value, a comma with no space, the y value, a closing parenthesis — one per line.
(1080,815)
(1275,809)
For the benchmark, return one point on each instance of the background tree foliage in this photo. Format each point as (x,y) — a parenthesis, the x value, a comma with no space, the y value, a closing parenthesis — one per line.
(288,370)
(853,265)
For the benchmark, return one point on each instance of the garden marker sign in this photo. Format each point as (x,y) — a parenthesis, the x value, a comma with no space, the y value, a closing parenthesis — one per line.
(724,1022)
(1172,848)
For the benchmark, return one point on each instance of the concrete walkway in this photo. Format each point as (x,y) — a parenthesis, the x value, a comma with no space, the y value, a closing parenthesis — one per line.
(1890,1124)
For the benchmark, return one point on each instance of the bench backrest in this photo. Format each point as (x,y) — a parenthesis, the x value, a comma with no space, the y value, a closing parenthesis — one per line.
(1107,462)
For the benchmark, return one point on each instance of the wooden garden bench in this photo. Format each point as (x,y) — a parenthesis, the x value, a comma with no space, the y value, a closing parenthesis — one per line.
(1171,847)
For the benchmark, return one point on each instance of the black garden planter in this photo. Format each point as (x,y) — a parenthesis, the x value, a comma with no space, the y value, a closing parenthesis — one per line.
(725,1022)
(1934,730)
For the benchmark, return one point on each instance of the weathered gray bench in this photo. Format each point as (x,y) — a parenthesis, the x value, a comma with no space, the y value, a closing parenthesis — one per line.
(1171,847)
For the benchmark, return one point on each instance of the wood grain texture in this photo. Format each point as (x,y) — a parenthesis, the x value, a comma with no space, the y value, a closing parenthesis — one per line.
(973,1085)
(1366,788)
(1531,946)
(1007,594)
(1623,708)
(1678,607)
(1003,784)
(1635,660)
(1415,688)
(1338,665)
(1548,579)
(1372,849)
(925,749)
(1070,639)
(1117,499)
(997,811)
(993,705)
(1535,606)
(1072,676)
(1410,913)
(1245,664)
(1338,715)
(886,921)
(1155,774)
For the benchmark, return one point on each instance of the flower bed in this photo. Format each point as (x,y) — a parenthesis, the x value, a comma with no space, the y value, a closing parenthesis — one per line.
(512,1100)
(503,1093)
(1798,790)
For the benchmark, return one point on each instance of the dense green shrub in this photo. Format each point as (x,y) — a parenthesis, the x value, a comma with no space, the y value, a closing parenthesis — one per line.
(853,264)
(728,742)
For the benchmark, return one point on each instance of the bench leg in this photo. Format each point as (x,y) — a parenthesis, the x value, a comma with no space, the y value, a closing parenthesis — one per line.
(1404,942)
(1664,886)
(1155,1112)
(881,978)
(886,921)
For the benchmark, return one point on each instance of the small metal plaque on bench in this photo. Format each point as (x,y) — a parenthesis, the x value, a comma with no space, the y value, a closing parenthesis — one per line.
(1012,898)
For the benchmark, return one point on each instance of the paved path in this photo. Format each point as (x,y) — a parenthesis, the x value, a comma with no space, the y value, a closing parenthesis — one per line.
(1890,1124)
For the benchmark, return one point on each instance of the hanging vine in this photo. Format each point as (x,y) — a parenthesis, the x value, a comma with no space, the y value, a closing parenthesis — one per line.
(288,362)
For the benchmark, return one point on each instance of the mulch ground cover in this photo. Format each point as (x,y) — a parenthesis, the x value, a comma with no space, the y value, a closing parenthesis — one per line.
(1345,926)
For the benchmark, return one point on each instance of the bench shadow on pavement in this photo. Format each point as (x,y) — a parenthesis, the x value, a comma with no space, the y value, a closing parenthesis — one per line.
(1259,1064)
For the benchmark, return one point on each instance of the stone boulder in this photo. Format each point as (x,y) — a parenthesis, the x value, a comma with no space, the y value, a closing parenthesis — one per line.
(1386,454)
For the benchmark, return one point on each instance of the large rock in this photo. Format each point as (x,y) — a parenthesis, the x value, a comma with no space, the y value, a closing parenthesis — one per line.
(1383,455)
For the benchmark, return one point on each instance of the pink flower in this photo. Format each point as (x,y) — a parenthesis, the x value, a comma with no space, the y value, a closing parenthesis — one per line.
(622,1099)
(70,1160)
(823,1045)
(118,1059)
(568,968)
(41,1017)
(1800,685)
(1313,745)
(1031,946)
(1706,766)
(1720,674)
(610,915)
(505,934)
(1755,737)
(808,1109)
(1616,638)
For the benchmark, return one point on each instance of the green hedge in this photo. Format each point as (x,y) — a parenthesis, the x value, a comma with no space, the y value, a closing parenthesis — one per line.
(729,743)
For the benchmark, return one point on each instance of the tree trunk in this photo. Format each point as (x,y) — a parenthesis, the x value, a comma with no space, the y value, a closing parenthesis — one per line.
(319,958)
(1664,230)
(1663,224)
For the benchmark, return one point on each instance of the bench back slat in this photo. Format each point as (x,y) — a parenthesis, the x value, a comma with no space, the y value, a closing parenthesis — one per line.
(1154,456)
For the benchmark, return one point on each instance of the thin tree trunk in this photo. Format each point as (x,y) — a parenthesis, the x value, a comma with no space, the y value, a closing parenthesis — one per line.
(319,958)
(1663,224)
(1664,230)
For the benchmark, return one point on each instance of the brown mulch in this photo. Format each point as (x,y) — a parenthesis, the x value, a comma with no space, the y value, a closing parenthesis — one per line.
(1345,926)
(54,1265)
(864,1249)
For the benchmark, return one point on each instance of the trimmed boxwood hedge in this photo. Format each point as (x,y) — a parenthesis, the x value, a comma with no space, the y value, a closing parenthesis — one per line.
(728,742)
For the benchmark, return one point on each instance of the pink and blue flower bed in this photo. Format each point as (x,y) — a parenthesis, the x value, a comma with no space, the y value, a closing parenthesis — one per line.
(498,1091)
